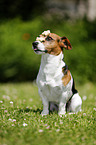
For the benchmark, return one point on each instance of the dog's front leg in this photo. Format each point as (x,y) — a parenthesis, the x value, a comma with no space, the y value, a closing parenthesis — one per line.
(45,104)
(62,109)
(62,104)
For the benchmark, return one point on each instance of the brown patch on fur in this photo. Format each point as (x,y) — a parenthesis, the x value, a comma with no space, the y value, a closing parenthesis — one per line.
(53,46)
(66,78)
(66,43)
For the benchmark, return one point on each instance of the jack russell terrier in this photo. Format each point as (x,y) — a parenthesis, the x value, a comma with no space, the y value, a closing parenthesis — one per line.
(55,83)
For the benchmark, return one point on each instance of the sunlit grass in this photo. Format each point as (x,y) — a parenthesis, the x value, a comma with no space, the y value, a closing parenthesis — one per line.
(21,122)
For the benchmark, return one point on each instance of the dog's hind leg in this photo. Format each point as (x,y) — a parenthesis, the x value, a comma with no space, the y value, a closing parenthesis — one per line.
(74,104)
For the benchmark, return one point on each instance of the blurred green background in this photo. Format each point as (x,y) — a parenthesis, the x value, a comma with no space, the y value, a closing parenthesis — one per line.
(22,21)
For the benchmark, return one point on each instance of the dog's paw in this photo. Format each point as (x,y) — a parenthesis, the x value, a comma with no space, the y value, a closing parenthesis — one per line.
(61,113)
(44,112)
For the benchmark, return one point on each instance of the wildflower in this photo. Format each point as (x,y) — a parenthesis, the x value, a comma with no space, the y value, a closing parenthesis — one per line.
(14,120)
(45,124)
(6,97)
(10,119)
(61,122)
(13,125)
(55,124)
(1,101)
(70,119)
(40,130)
(11,102)
(31,100)
(84,114)
(24,124)
(47,127)
(2,108)
(57,130)
(84,98)
(94,109)
(5,111)
(27,107)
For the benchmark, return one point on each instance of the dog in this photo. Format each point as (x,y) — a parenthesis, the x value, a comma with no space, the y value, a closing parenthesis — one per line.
(55,83)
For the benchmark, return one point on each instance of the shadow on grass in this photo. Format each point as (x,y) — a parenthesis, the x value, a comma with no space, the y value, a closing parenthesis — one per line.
(37,111)
(26,110)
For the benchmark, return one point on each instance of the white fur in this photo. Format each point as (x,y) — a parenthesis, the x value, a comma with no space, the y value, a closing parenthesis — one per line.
(46,33)
(75,104)
(40,46)
(40,39)
(50,86)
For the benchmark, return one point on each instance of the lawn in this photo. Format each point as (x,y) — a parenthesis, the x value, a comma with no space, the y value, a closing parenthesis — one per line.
(22,124)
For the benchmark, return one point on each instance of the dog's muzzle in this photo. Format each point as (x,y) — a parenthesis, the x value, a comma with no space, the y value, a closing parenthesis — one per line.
(35,44)
(36,49)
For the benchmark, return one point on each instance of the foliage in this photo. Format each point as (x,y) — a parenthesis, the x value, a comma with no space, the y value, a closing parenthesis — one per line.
(21,122)
(18,62)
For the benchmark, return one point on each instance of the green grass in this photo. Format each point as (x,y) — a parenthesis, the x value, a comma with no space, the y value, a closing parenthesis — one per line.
(20,105)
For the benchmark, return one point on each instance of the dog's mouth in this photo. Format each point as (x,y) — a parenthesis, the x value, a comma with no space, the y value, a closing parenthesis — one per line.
(34,46)
(38,50)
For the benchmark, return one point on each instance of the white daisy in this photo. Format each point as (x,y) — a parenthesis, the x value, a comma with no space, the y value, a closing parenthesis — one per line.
(24,124)
(40,130)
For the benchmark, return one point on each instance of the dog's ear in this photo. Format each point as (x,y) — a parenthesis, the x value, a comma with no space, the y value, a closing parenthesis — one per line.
(65,43)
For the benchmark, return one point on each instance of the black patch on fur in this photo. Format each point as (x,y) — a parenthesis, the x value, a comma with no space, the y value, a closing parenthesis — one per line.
(73,88)
(65,69)
(74,91)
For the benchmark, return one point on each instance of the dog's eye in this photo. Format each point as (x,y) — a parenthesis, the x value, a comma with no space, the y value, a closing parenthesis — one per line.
(49,38)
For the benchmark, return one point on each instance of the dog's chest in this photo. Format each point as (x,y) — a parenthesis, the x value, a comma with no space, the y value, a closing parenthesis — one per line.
(49,79)
(51,89)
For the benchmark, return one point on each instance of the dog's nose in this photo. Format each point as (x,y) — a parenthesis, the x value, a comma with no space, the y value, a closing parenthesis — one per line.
(35,44)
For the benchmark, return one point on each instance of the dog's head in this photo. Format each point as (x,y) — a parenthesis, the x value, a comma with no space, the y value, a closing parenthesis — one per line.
(50,43)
